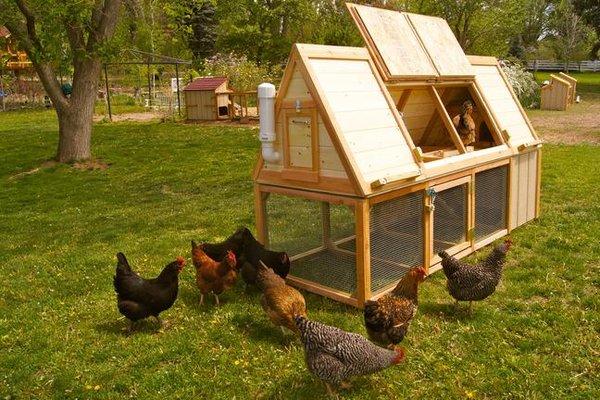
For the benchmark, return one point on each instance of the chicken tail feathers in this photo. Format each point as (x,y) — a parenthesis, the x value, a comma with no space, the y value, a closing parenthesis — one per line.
(122,264)
(443,254)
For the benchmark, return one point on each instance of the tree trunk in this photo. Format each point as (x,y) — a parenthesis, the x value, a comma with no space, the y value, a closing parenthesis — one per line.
(75,120)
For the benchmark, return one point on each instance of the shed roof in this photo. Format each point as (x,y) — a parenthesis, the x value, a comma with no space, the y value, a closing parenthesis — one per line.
(206,83)
(4,32)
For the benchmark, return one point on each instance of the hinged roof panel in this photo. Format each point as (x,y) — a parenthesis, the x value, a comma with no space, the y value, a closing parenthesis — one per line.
(410,46)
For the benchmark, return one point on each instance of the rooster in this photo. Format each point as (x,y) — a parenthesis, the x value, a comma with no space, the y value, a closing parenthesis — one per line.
(213,276)
(280,301)
(255,252)
(139,298)
(465,124)
(334,355)
(387,319)
(474,282)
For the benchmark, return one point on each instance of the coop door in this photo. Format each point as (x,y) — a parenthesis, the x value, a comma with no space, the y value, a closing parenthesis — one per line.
(301,157)
(450,216)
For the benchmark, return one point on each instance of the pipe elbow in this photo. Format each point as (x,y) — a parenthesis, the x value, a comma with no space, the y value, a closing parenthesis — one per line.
(269,154)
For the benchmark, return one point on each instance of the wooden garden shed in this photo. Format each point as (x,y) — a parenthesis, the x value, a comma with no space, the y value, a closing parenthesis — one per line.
(368,176)
(207,98)
(557,95)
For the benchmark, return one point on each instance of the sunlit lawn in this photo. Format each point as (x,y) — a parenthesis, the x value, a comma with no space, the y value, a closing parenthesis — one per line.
(61,335)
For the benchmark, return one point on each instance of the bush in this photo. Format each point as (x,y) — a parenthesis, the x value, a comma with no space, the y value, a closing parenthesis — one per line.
(243,74)
(523,83)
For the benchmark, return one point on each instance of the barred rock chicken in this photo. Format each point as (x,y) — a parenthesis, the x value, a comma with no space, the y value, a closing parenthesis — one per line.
(387,319)
(213,276)
(334,355)
(280,301)
(139,298)
(474,282)
(254,252)
(465,124)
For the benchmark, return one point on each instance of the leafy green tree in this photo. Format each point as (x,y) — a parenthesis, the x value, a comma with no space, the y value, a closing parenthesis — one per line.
(569,31)
(589,10)
(201,21)
(55,32)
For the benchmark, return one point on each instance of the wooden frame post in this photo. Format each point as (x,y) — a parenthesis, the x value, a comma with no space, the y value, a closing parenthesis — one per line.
(427,231)
(326,221)
(260,214)
(448,124)
(363,252)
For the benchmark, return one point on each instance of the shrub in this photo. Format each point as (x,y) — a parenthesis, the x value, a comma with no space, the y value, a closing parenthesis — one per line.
(523,83)
(243,74)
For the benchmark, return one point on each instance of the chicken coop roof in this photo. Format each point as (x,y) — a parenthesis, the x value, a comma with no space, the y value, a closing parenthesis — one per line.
(408,46)
(206,83)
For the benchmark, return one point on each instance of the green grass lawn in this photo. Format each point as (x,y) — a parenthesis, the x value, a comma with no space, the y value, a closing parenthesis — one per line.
(587,82)
(61,334)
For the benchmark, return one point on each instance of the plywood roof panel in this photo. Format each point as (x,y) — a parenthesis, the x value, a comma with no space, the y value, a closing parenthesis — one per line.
(441,44)
(364,118)
(394,39)
(410,46)
(503,104)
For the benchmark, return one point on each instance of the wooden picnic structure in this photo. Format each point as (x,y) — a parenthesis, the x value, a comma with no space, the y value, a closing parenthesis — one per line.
(372,177)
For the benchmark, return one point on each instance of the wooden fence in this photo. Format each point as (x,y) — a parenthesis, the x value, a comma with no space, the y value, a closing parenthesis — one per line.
(553,65)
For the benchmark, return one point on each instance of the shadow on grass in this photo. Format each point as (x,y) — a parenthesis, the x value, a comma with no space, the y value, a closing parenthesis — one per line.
(119,327)
(310,387)
(448,311)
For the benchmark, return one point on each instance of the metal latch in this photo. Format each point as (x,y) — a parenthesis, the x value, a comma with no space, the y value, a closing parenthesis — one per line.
(431,192)
(301,122)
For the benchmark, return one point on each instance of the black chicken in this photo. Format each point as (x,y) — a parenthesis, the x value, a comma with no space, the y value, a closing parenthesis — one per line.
(474,282)
(254,252)
(139,298)
(234,243)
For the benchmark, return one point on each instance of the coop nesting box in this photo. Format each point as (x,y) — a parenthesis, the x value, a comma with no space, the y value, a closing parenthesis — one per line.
(207,98)
(369,176)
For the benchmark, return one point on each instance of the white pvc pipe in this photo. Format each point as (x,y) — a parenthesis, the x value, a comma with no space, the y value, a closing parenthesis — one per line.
(266,100)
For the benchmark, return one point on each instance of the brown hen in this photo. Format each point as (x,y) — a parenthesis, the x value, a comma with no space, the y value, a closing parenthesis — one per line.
(280,301)
(387,319)
(213,276)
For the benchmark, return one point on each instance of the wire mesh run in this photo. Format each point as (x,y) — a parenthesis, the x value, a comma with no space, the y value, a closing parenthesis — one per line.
(318,237)
(396,239)
(450,218)
(490,201)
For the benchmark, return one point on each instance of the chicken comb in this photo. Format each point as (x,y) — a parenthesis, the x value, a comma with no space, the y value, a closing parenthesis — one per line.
(180,260)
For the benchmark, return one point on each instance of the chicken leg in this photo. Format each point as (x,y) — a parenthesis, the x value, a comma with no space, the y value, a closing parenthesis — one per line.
(201,299)
(216,299)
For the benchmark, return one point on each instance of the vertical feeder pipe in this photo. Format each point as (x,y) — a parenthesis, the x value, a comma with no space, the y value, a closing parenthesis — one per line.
(266,99)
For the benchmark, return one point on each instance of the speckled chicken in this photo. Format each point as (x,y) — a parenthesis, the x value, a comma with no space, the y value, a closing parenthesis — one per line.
(334,355)
(465,124)
(474,282)
(279,301)
(387,319)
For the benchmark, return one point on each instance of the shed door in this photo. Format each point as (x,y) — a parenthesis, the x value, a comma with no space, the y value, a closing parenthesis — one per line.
(301,157)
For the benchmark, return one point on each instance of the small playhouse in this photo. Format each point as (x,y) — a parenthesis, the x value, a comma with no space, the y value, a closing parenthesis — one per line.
(363,173)
(559,93)
(207,98)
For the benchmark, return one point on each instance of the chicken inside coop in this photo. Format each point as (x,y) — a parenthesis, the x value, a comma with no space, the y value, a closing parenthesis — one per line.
(460,126)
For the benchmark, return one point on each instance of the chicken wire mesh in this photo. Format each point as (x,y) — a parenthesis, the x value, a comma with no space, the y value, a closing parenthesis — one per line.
(322,233)
(450,218)
(396,239)
(490,201)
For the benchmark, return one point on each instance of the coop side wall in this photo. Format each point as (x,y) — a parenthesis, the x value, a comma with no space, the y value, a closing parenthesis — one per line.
(524,187)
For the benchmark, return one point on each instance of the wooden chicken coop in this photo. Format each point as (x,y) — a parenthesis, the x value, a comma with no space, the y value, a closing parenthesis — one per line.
(557,95)
(367,175)
(207,98)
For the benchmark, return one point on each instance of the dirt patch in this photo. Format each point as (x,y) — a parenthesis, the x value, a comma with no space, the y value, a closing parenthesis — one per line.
(579,124)
(133,117)
(91,165)
(44,165)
